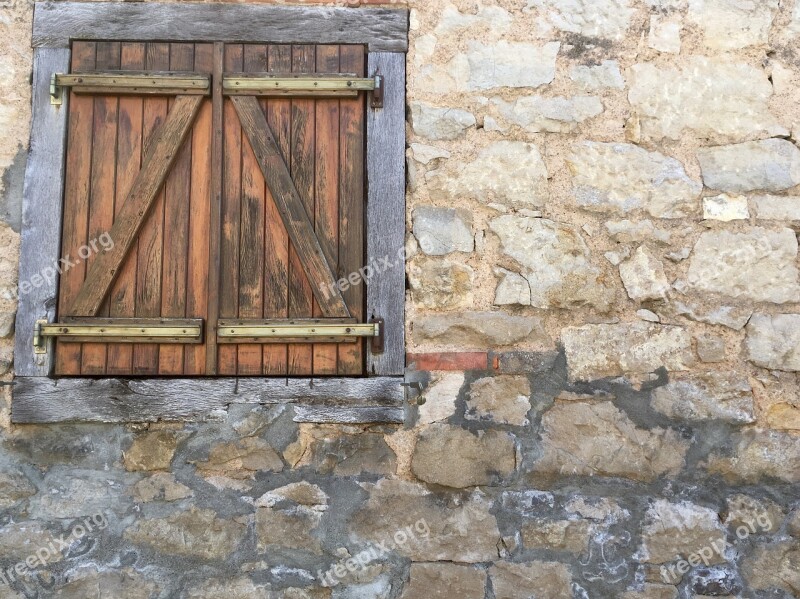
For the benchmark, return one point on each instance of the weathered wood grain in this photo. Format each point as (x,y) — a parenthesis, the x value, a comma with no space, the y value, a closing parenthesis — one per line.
(293,213)
(386,212)
(347,415)
(41,400)
(41,212)
(56,23)
(155,167)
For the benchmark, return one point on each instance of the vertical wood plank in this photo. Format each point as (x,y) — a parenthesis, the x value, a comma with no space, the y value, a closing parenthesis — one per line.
(251,243)
(301,164)
(101,188)
(200,228)
(231,215)
(351,204)
(326,192)
(177,196)
(386,135)
(150,248)
(41,214)
(276,259)
(214,242)
(129,154)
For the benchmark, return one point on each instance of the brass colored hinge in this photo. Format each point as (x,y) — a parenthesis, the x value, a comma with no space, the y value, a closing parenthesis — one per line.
(329,330)
(317,85)
(130,82)
(119,330)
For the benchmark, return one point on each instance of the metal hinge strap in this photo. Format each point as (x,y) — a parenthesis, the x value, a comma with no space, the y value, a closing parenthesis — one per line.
(120,330)
(329,330)
(130,82)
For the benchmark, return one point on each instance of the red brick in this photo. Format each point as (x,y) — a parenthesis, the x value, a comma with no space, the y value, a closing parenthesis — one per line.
(478,360)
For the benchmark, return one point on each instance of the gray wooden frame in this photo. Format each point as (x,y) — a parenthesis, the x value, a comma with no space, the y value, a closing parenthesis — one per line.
(38,398)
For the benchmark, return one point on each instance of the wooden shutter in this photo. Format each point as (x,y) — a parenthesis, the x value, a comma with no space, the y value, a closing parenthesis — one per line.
(271,243)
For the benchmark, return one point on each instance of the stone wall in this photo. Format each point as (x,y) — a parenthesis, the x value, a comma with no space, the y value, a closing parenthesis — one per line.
(603,312)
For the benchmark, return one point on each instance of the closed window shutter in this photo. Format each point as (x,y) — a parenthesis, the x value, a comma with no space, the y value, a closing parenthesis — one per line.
(291,216)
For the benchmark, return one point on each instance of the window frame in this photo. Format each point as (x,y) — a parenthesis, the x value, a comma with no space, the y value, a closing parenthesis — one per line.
(377,397)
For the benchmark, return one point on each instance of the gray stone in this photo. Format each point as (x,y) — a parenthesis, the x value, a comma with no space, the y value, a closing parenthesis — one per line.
(643,276)
(523,181)
(755,264)
(506,64)
(533,579)
(91,583)
(622,178)
(502,399)
(7,324)
(241,587)
(673,530)
(648,315)
(725,208)
(480,329)
(707,396)
(556,535)
(301,493)
(712,98)
(441,285)
(79,493)
(733,24)
(556,262)
(665,34)
(765,165)
(14,487)
(425,154)
(590,18)
(773,341)
(197,533)
(513,289)
(601,350)
(597,439)
(463,532)
(538,114)
(626,231)
(757,455)
(436,122)
(440,581)
(454,457)
(781,208)
(494,18)
(733,317)
(441,231)
(711,348)
(592,78)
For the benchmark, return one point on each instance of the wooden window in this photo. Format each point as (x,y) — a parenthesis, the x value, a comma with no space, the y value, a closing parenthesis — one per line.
(231,214)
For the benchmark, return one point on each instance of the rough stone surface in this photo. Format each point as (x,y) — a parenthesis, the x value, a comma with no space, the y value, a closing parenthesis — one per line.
(665,34)
(711,348)
(590,18)
(512,289)
(436,122)
(725,208)
(538,114)
(444,580)
(772,207)
(481,329)
(440,398)
(595,351)
(670,101)
(556,261)
(708,396)
(733,24)
(556,535)
(622,178)
(506,64)
(757,515)
(591,78)
(523,181)
(643,276)
(673,530)
(775,567)
(441,285)
(441,231)
(466,532)
(759,454)
(773,341)
(755,264)
(626,231)
(153,451)
(597,439)
(503,399)
(534,579)
(454,457)
(766,165)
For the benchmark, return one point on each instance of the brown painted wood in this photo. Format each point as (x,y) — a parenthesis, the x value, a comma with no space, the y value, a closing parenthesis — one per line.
(177,198)
(129,152)
(251,243)
(76,201)
(290,205)
(351,203)
(326,192)
(301,165)
(151,236)
(199,259)
(276,258)
(215,242)
(231,215)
